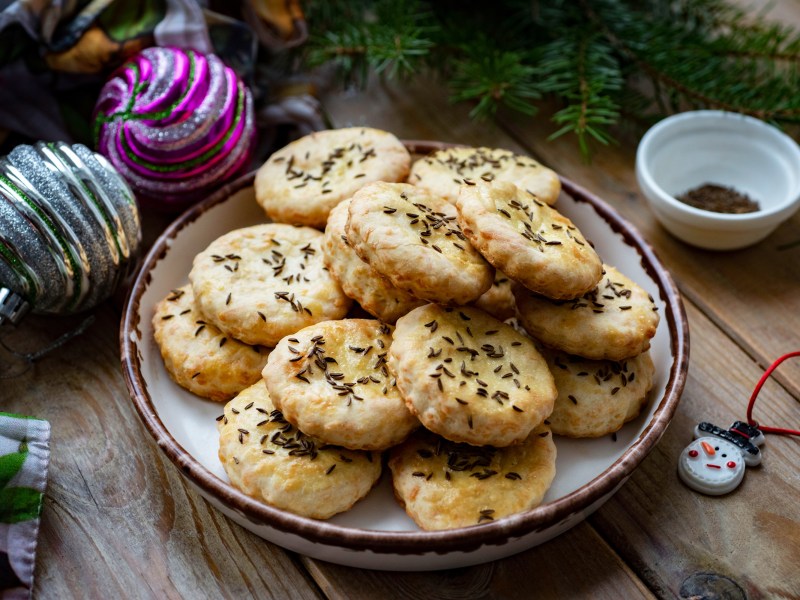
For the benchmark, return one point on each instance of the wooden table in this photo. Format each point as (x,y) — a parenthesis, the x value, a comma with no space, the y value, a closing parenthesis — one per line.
(119,521)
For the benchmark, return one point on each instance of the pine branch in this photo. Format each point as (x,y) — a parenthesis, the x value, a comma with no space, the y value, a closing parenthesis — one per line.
(491,78)
(697,53)
(374,35)
(696,64)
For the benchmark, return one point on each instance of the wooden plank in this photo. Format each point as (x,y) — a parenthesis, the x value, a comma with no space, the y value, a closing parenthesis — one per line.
(118,519)
(577,564)
(751,537)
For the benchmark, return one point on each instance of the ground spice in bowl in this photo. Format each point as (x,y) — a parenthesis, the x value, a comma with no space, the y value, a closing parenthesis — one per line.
(718,198)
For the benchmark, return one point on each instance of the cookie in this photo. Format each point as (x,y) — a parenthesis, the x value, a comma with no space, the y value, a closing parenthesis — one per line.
(373,292)
(262,283)
(527,240)
(469,377)
(197,355)
(444,485)
(267,458)
(445,171)
(412,238)
(303,181)
(597,397)
(498,300)
(613,321)
(330,380)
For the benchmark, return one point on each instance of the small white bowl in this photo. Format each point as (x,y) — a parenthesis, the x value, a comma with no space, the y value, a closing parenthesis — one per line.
(693,148)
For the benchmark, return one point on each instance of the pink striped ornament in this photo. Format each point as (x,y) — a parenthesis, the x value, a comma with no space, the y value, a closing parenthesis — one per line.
(176,124)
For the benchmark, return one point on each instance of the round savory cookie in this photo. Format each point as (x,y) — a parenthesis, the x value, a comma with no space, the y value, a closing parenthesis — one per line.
(412,238)
(469,377)
(445,171)
(303,181)
(597,397)
(197,355)
(262,283)
(498,300)
(331,381)
(267,458)
(527,240)
(373,292)
(444,485)
(613,321)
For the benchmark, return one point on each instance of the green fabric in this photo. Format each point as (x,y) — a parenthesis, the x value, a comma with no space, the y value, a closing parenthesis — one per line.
(17,503)
(24,459)
(10,464)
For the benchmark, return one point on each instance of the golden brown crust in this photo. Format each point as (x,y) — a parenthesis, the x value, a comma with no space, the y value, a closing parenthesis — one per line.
(597,397)
(261,283)
(614,321)
(444,172)
(268,459)
(443,485)
(412,238)
(300,183)
(197,355)
(527,240)
(331,381)
(373,292)
(469,377)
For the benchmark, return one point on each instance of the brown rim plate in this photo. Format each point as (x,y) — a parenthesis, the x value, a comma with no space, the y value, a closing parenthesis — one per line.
(599,221)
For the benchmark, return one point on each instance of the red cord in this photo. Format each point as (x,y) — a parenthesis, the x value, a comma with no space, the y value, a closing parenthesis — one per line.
(757,389)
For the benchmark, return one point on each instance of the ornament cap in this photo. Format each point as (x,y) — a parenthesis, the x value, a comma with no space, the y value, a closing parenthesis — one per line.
(12,306)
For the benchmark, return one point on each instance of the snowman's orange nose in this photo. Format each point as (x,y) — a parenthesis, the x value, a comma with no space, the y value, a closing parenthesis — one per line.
(709,449)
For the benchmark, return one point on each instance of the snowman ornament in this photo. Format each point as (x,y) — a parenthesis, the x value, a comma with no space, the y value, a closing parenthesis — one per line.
(715,461)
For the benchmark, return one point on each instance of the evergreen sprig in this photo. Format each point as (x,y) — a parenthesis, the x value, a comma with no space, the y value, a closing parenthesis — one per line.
(588,54)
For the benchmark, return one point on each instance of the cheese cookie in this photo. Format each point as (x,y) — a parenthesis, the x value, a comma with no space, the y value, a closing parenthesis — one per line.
(412,238)
(498,300)
(303,181)
(267,458)
(373,292)
(444,485)
(331,381)
(613,321)
(261,283)
(445,171)
(197,355)
(527,240)
(597,397)
(469,377)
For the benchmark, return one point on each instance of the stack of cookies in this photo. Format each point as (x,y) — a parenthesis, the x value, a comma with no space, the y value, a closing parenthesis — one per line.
(491,324)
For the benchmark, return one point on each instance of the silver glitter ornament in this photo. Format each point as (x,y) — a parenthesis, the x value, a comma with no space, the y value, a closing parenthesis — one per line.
(69,230)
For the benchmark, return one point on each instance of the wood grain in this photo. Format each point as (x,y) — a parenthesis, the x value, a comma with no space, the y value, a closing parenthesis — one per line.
(577,564)
(118,519)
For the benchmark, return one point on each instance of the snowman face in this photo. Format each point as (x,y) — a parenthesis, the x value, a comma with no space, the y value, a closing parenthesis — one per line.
(711,465)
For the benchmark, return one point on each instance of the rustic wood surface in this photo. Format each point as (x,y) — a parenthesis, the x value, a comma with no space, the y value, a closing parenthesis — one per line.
(119,520)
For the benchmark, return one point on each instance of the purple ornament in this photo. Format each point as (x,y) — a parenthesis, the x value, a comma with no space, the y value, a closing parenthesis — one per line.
(176,124)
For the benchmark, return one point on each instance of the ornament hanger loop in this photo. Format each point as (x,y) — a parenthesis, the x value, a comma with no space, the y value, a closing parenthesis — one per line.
(28,358)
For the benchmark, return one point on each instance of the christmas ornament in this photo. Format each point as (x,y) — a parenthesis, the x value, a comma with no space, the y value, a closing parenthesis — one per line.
(176,124)
(69,230)
(714,463)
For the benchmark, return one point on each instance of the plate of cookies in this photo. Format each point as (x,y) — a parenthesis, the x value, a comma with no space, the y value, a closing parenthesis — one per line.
(404,355)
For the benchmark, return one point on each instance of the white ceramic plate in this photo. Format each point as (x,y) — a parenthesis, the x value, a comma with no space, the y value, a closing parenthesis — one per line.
(377,533)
